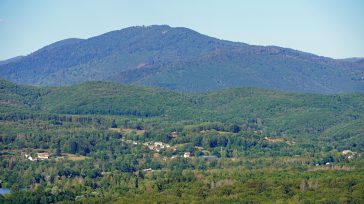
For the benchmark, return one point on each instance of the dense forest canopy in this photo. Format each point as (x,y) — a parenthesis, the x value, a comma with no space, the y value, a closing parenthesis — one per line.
(107,142)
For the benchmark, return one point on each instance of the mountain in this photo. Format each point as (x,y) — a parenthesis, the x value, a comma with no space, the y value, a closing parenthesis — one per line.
(185,60)
(14,59)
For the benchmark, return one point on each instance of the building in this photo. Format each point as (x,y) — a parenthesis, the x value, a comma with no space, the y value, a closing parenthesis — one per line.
(43,156)
(174,134)
(27,156)
(187,155)
(199,148)
(160,144)
(349,154)
(32,159)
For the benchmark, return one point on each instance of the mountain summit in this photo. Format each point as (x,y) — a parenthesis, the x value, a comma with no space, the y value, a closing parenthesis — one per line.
(182,59)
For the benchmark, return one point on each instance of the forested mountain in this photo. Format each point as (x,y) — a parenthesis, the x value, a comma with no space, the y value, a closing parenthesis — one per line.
(14,59)
(182,59)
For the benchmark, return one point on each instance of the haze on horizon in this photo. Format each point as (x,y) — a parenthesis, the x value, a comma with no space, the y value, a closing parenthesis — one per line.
(331,28)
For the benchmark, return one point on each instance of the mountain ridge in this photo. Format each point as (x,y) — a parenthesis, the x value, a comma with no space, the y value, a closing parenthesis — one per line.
(184,60)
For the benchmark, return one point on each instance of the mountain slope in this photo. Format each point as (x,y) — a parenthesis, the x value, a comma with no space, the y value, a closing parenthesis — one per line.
(17,98)
(14,59)
(182,59)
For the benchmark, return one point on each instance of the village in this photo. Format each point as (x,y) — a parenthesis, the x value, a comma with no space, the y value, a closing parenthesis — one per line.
(154,146)
(158,146)
(40,157)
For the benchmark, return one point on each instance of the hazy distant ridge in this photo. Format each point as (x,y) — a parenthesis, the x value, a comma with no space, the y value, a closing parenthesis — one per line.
(182,59)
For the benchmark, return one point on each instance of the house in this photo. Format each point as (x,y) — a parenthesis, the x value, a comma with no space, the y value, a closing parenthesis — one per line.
(199,148)
(148,169)
(349,154)
(174,134)
(160,144)
(27,156)
(187,155)
(43,156)
(151,147)
(32,159)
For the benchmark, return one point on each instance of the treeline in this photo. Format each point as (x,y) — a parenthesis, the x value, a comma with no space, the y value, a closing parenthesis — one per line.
(229,185)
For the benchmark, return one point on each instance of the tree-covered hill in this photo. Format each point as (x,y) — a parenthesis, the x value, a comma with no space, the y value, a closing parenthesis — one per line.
(182,59)
(109,142)
(275,113)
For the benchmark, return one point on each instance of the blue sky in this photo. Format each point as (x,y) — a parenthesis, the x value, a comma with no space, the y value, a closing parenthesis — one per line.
(333,28)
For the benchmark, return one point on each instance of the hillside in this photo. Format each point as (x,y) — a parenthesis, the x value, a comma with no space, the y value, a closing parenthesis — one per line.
(184,60)
(105,142)
(300,116)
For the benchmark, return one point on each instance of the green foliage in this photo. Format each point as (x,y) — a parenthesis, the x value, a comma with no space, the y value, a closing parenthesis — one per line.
(246,145)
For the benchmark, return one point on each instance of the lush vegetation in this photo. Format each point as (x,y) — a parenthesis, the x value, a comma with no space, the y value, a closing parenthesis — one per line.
(246,145)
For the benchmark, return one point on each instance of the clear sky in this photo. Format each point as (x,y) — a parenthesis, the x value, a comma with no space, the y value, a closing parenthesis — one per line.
(333,28)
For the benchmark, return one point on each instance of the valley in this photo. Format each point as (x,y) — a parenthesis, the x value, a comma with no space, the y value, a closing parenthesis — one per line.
(168,102)
(112,143)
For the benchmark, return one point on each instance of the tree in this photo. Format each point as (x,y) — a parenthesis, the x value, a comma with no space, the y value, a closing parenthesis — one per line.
(57,151)
(235,129)
(74,147)
(113,124)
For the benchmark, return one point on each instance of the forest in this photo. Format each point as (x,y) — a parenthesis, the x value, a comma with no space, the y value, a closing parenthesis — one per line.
(103,142)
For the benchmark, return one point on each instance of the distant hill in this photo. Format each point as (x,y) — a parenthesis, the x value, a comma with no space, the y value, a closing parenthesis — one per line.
(335,118)
(14,59)
(184,60)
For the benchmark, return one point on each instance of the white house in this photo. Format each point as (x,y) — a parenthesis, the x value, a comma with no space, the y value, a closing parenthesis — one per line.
(187,155)
(32,159)
(43,156)
(160,144)
(174,134)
